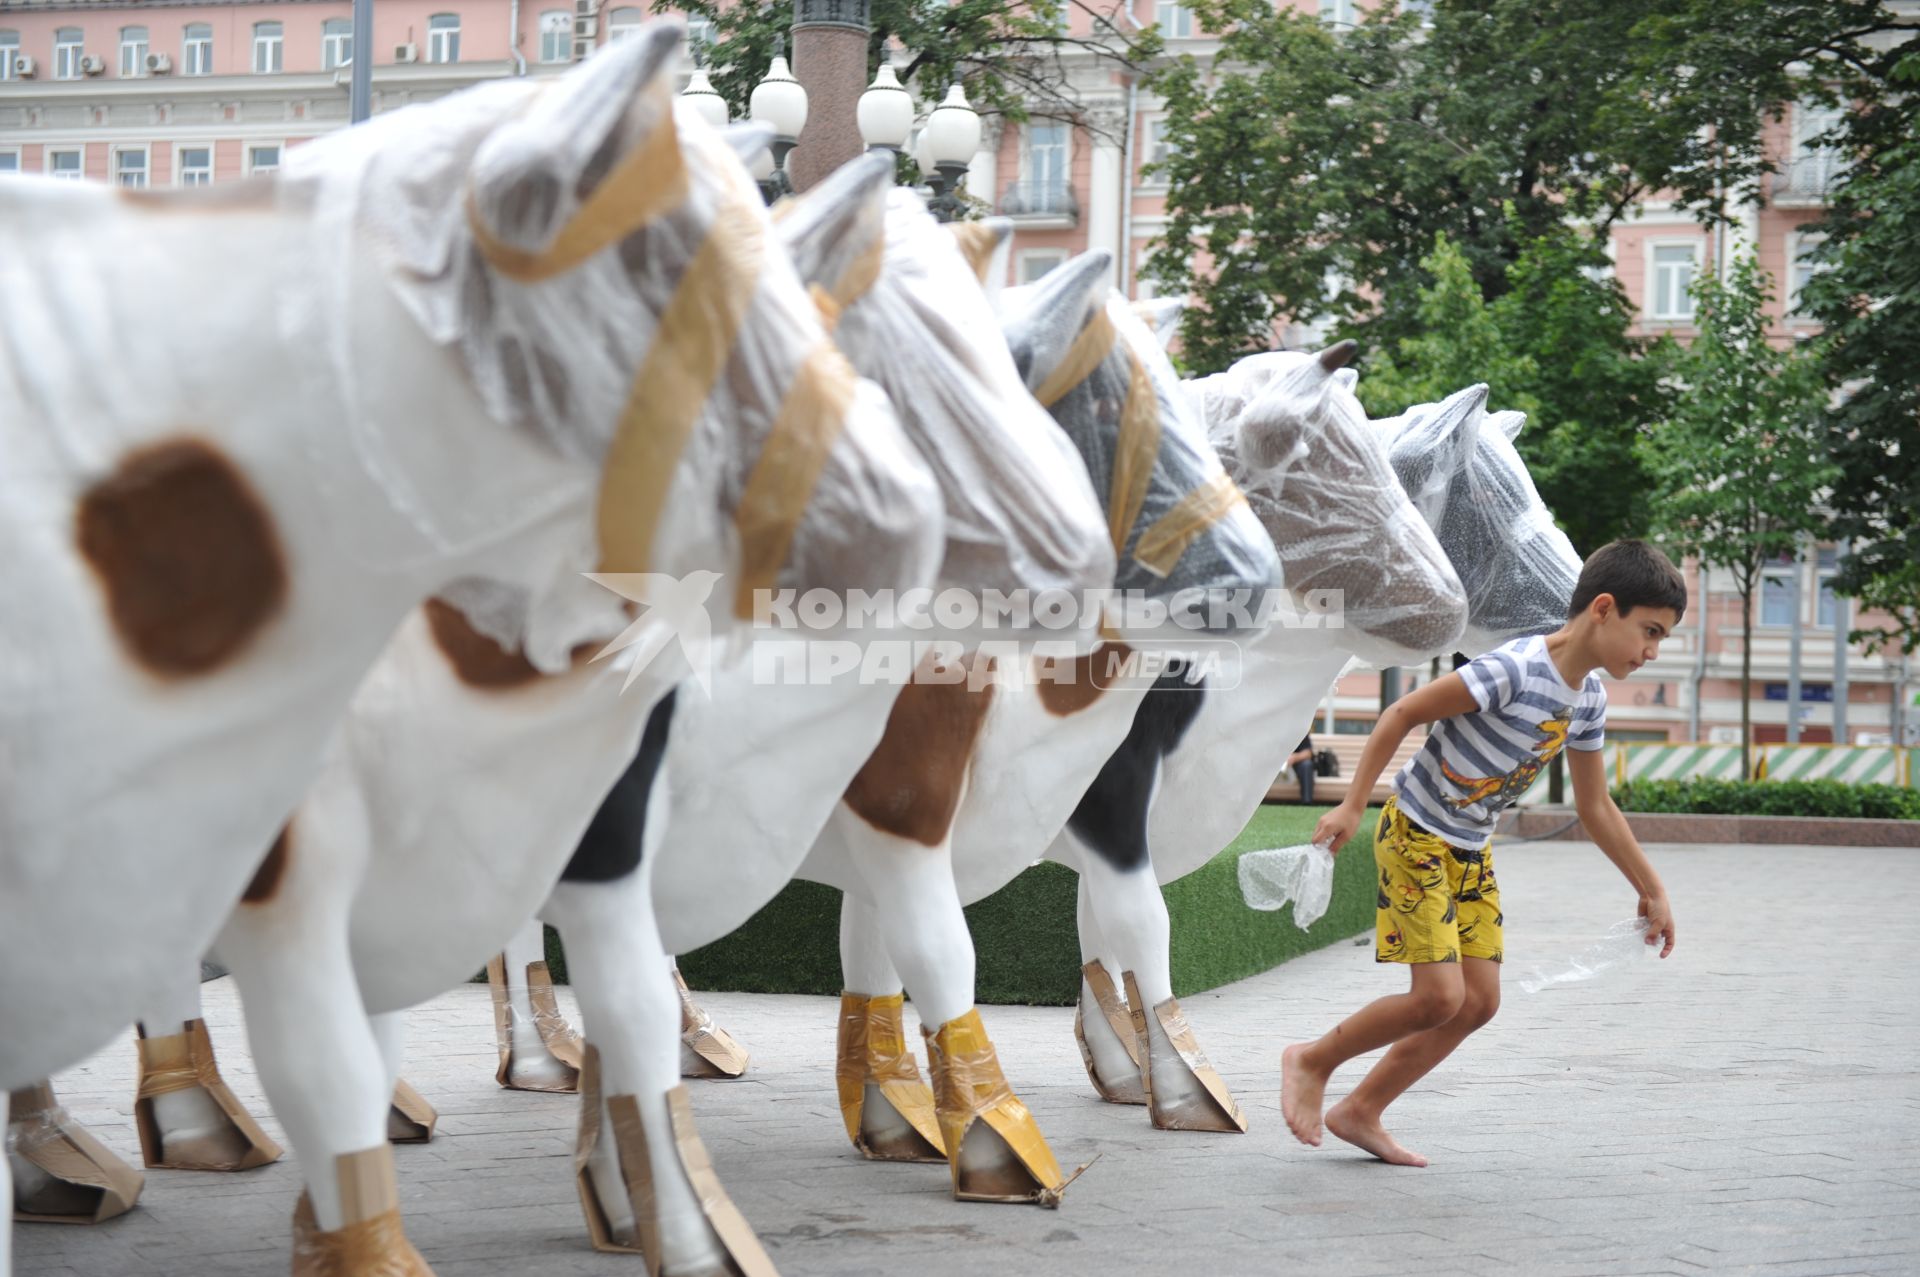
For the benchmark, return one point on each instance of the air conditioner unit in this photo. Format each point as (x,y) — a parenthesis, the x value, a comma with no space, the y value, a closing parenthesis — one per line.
(406,53)
(159,64)
(92,64)
(24,65)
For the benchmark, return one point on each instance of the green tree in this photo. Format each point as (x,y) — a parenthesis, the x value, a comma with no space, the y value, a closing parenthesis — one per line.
(1868,299)
(1738,460)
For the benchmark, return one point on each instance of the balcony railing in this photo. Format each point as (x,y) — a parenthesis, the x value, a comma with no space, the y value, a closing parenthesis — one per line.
(1812,176)
(1040,199)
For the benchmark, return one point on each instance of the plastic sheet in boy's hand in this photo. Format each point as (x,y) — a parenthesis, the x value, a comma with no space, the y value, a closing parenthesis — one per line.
(1625,944)
(1302,875)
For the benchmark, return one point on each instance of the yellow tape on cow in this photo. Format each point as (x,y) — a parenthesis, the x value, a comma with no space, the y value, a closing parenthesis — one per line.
(1161,545)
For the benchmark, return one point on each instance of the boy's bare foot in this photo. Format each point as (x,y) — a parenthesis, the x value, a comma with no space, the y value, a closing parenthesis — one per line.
(1367,1133)
(1301,1091)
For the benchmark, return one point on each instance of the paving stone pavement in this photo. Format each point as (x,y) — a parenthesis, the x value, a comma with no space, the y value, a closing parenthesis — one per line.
(1750,1106)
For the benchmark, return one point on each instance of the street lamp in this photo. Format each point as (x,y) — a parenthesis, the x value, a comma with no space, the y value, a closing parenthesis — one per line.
(779,101)
(704,98)
(948,144)
(885,112)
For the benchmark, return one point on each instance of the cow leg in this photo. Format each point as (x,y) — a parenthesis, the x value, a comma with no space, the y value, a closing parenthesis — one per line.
(995,1151)
(888,1110)
(410,1119)
(1184,1092)
(706,1049)
(1101,1025)
(539,1051)
(61,1173)
(187,1117)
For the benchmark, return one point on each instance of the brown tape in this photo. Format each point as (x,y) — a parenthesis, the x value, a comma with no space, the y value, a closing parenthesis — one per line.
(1120,1024)
(783,478)
(1161,545)
(599,1227)
(1223,1113)
(561,1041)
(91,1183)
(371,1242)
(1088,351)
(697,333)
(977,244)
(718,1055)
(183,1062)
(410,1119)
(872,1052)
(1135,451)
(969,1087)
(559,1037)
(650,181)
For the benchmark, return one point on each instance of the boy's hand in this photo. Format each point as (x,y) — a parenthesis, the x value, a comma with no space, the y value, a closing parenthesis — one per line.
(1659,916)
(1336,827)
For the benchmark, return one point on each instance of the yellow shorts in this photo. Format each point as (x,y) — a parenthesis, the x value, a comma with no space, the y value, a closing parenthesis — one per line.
(1436,903)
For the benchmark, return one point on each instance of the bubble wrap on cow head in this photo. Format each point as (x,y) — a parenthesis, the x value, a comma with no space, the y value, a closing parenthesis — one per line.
(1460,467)
(909,311)
(1173,513)
(1318,476)
(599,266)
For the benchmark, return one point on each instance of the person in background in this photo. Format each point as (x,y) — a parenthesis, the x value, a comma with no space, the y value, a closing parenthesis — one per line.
(1301,760)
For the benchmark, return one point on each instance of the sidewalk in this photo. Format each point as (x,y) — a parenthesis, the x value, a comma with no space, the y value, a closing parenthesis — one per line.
(1751,1106)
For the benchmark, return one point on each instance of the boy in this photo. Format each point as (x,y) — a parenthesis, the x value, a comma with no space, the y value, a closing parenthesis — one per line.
(1498,722)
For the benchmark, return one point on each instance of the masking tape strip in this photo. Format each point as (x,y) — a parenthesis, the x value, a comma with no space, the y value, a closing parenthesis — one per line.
(696,338)
(1135,451)
(562,1043)
(1112,1008)
(977,244)
(1161,545)
(789,466)
(650,181)
(1088,351)
(969,1086)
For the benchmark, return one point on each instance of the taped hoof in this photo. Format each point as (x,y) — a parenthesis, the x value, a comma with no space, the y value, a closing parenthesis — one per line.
(556,1067)
(1114,1066)
(996,1151)
(371,1242)
(1184,1092)
(706,1049)
(410,1119)
(61,1173)
(889,1112)
(187,1116)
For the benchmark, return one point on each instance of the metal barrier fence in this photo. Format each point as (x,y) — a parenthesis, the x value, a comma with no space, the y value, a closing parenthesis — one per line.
(1687,760)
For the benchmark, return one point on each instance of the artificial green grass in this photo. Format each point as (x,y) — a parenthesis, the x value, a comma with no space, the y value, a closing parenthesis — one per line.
(1025,933)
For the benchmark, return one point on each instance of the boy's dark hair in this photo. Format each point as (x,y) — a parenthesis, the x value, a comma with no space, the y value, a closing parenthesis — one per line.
(1635,574)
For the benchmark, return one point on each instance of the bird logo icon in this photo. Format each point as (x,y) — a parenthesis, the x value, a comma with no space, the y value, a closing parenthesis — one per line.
(673,610)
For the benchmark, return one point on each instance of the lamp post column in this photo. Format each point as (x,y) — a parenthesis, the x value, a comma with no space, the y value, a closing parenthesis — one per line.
(830,61)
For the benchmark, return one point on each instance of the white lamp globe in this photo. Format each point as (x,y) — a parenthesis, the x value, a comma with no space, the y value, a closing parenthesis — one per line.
(704,98)
(780,101)
(953,130)
(885,110)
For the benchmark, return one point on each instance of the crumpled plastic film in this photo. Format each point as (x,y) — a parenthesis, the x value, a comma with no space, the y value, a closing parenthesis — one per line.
(909,311)
(1460,467)
(1624,944)
(1301,875)
(1109,385)
(1318,477)
(629,312)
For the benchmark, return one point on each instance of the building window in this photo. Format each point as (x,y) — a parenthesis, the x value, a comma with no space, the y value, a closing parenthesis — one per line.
(9,50)
(9,162)
(443,37)
(196,49)
(266,47)
(133,52)
(1826,564)
(336,43)
(196,165)
(556,36)
(622,24)
(1800,251)
(1175,21)
(1160,147)
(1670,288)
(1046,158)
(1036,262)
(263,159)
(1776,598)
(699,31)
(65,164)
(1339,13)
(67,48)
(130,167)
(1424,8)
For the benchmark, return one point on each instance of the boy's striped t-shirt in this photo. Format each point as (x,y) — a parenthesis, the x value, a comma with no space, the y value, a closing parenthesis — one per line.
(1476,765)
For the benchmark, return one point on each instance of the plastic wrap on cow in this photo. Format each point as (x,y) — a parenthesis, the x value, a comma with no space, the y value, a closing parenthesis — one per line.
(640,318)
(907,308)
(1318,477)
(1460,468)
(1174,515)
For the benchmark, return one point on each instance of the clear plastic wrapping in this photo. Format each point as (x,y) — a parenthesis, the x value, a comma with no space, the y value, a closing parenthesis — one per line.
(1318,476)
(1623,945)
(1302,876)
(1173,511)
(1460,468)
(909,310)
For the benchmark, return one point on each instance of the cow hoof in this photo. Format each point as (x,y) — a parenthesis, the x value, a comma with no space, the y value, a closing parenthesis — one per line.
(1184,1092)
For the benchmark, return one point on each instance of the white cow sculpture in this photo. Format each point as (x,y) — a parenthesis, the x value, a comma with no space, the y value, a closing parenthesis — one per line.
(495,341)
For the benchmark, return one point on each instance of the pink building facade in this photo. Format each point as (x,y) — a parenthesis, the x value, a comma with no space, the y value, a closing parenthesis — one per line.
(180,94)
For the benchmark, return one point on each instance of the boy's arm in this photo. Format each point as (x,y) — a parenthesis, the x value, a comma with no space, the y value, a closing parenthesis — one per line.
(1445,697)
(1607,827)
